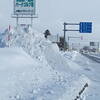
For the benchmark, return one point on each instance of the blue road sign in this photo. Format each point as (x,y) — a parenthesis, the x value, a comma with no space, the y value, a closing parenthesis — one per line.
(85,27)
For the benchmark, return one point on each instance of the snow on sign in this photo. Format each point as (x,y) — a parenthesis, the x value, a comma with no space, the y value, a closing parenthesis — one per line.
(85,27)
(24,7)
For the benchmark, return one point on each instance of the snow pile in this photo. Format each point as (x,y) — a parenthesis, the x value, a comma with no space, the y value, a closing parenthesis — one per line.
(36,46)
(89,68)
(70,55)
(45,76)
(23,77)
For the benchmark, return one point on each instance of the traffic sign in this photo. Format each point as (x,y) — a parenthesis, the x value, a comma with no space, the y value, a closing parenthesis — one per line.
(85,27)
(24,7)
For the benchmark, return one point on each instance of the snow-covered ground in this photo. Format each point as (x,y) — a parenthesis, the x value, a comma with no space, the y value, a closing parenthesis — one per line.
(89,68)
(32,68)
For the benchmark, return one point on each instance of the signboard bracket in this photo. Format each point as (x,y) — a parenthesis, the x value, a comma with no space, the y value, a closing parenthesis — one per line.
(24,16)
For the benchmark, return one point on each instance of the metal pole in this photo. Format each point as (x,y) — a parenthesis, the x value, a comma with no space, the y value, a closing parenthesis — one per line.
(98,46)
(31,20)
(64,36)
(17,20)
(57,38)
(68,42)
(72,23)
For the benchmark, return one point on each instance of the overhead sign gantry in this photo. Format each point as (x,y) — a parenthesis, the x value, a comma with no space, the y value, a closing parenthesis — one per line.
(84,27)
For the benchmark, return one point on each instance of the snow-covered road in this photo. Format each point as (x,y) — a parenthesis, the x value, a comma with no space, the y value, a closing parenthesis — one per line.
(89,68)
(93,57)
(93,73)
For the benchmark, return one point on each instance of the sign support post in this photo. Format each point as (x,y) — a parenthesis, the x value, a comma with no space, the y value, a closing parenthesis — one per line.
(65,33)
(64,36)
(17,19)
(31,20)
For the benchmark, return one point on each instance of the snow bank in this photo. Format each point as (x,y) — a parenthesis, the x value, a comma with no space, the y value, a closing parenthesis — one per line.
(44,75)
(20,75)
(89,68)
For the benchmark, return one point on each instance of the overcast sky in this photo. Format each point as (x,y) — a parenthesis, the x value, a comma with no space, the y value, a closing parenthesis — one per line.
(53,13)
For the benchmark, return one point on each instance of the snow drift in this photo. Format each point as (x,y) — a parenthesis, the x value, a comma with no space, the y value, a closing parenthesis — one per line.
(34,69)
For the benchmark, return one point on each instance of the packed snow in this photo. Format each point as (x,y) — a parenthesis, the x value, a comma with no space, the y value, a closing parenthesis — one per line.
(33,68)
(89,68)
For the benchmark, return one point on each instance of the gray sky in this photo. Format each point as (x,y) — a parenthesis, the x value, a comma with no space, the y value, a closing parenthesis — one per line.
(53,13)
